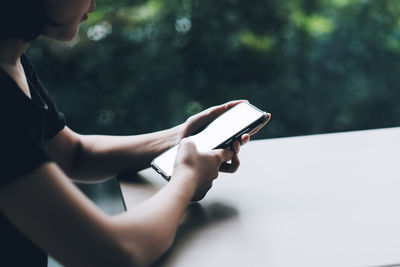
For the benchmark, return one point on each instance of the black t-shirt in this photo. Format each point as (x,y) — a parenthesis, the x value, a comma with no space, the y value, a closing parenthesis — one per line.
(26,124)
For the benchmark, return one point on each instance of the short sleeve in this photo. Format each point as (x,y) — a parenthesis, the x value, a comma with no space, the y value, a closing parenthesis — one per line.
(21,150)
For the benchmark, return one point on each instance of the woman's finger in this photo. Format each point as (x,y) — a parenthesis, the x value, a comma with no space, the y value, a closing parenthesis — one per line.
(231,167)
(245,139)
(262,125)
(223,155)
(216,111)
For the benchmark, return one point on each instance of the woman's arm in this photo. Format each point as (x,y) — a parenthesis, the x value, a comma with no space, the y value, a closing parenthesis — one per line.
(93,157)
(57,217)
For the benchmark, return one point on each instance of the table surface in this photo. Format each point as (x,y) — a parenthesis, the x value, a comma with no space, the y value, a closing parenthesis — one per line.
(320,200)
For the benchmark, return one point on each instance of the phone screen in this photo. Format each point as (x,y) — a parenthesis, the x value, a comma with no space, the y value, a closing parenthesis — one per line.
(223,130)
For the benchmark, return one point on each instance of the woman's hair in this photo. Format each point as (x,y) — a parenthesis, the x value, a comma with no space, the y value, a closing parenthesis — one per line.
(22,19)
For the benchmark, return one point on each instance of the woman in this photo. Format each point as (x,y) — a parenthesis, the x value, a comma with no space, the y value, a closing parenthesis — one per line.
(41,210)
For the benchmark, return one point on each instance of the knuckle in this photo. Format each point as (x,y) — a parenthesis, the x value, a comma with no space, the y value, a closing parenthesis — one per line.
(186,142)
(183,142)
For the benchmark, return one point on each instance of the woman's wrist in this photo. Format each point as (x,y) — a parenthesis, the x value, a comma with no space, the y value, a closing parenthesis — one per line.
(183,179)
(177,134)
(166,139)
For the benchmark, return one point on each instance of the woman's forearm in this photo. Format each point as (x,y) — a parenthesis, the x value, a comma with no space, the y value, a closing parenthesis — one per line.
(149,235)
(81,234)
(99,156)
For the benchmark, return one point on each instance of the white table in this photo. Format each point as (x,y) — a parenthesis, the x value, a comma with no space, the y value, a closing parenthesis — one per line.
(320,200)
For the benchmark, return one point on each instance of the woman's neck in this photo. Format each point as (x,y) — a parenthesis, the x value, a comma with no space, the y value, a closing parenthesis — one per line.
(11,51)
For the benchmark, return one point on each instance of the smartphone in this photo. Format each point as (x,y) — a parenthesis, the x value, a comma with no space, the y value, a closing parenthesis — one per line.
(220,133)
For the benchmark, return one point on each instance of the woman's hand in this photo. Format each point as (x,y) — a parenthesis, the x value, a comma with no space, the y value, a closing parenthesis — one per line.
(201,168)
(198,121)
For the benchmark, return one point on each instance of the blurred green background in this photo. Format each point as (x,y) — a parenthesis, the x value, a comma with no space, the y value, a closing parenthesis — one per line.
(140,66)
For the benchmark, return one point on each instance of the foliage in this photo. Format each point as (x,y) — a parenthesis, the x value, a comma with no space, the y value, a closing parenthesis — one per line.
(317,66)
